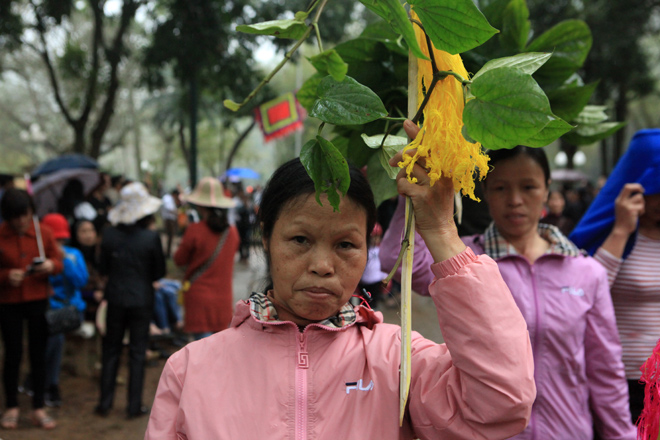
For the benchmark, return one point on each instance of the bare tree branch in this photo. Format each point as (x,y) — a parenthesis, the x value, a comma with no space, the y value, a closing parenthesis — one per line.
(113,55)
(41,30)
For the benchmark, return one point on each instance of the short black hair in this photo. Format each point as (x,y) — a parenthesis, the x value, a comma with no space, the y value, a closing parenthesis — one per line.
(15,203)
(5,179)
(291,181)
(536,154)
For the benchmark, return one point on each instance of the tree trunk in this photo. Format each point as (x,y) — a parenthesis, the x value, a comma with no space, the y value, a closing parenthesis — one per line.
(621,114)
(137,138)
(113,55)
(570,151)
(79,137)
(238,142)
(193,129)
(604,167)
(168,139)
(183,144)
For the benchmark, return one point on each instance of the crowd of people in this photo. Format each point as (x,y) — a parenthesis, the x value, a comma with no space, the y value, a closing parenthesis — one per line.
(102,252)
(547,298)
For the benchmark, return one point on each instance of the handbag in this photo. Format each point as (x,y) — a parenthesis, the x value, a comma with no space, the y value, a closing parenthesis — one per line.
(185,286)
(65,319)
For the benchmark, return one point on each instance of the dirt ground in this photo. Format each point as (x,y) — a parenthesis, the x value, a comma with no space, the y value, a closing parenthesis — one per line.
(79,387)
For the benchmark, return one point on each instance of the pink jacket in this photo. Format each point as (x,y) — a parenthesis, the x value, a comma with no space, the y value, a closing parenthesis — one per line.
(259,380)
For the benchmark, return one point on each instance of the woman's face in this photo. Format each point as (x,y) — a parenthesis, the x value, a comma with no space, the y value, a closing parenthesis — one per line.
(516,191)
(317,258)
(556,203)
(21,224)
(86,234)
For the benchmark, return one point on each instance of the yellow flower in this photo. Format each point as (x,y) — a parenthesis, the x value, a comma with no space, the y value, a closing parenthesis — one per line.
(440,141)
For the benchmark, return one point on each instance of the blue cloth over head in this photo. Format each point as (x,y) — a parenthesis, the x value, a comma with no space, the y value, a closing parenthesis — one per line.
(640,164)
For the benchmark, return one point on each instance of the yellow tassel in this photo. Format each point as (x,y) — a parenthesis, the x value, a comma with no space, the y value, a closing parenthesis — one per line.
(440,141)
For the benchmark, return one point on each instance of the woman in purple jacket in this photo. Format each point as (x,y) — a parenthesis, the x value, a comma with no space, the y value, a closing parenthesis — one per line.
(562,294)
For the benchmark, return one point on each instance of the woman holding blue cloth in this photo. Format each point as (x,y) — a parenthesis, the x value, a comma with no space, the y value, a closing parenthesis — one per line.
(621,229)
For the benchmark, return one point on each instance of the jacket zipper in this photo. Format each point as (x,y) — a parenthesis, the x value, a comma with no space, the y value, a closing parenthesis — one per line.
(302,365)
(301,387)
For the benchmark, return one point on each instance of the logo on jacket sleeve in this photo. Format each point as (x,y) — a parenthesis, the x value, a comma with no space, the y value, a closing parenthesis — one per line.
(575,291)
(359,386)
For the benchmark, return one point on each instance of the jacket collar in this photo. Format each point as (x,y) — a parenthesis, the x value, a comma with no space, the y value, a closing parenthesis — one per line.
(262,309)
(496,246)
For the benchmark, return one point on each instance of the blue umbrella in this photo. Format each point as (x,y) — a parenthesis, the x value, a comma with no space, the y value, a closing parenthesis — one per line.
(242,173)
(65,162)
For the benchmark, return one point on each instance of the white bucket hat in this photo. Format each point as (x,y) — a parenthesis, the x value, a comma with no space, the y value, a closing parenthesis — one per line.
(134,204)
(210,193)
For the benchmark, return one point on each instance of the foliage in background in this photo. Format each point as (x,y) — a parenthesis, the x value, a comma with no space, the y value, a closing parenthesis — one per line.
(360,84)
(92,58)
(618,62)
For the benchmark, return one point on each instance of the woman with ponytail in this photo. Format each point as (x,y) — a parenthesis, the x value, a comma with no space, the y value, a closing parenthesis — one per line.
(207,251)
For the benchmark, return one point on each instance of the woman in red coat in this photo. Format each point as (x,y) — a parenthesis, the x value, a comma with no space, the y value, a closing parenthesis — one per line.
(207,250)
(24,290)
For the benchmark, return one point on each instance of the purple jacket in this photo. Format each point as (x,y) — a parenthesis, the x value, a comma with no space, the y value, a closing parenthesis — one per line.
(577,354)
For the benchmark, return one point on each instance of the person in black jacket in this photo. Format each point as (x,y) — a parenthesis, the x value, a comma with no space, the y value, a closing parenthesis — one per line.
(132,259)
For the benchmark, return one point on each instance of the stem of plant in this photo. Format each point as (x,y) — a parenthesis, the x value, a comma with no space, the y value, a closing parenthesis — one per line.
(389,131)
(404,246)
(438,75)
(288,55)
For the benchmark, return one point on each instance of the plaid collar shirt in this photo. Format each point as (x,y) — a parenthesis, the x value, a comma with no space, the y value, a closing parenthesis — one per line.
(496,246)
(262,309)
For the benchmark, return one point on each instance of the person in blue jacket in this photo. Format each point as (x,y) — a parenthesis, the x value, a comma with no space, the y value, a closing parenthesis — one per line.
(66,287)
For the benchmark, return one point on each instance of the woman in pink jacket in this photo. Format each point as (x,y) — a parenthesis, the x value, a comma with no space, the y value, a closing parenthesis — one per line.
(562,294)
(299,362)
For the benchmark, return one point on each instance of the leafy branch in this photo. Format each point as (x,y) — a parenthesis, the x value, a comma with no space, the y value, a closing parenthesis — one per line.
(313,26)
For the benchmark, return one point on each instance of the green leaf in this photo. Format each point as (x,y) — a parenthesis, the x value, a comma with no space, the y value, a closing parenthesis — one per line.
(550,133)
(329,62)
(392,145)
(494,12)
(307,94)
(393,12)
(509,107)
(301,16)
(357,153)
(591,114)
(346,103)
(327,168)
(391,141)
(569,42)
(231,105)
(455,26)
(525,62)
(515,26)
(589,134)
(359,50)
(466,136)
(382,185)
(291,28)
(383,33)
(568,102)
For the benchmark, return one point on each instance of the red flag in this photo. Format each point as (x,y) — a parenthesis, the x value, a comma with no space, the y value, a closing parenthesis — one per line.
(280,117)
